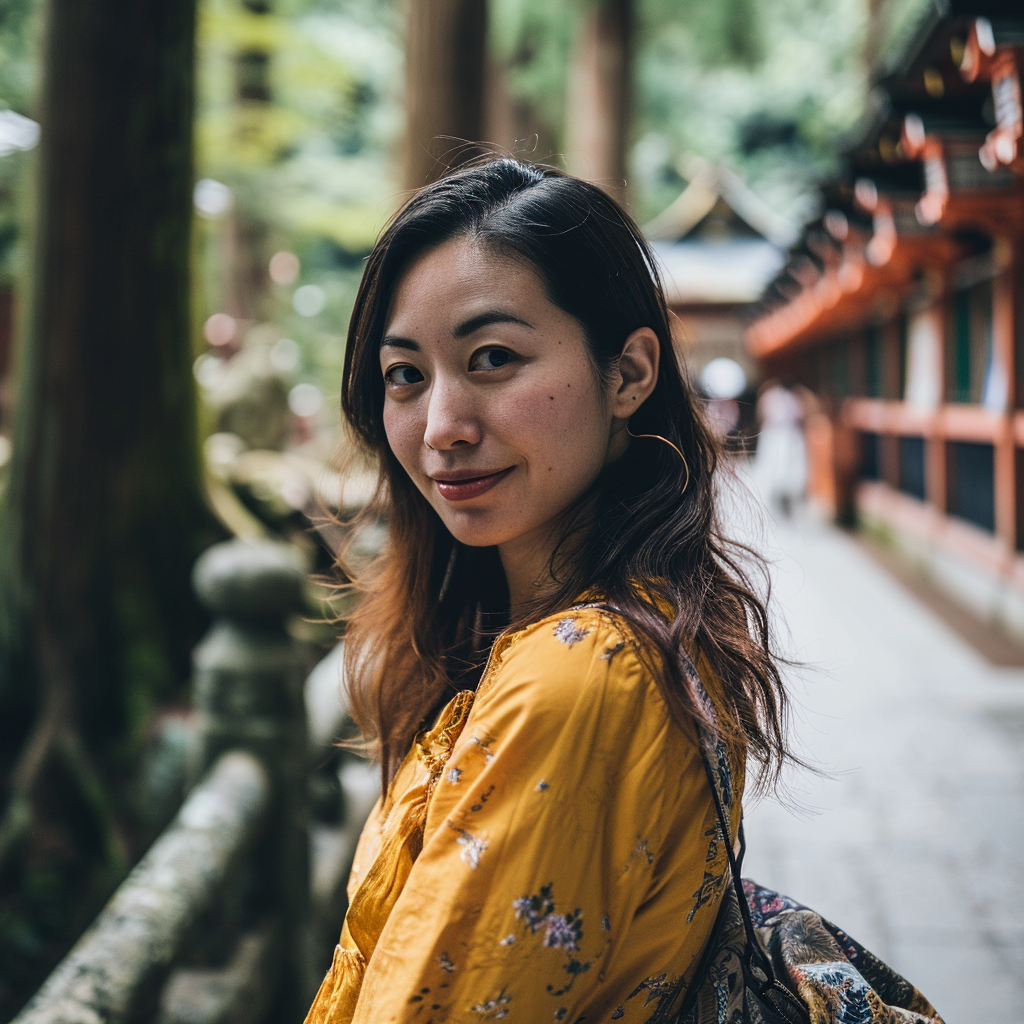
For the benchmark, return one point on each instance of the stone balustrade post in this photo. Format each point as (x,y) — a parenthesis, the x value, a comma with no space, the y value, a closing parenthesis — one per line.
(248,677)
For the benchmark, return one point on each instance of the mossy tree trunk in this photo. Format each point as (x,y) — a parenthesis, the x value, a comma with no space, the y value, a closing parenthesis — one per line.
(103,516)
(445,51)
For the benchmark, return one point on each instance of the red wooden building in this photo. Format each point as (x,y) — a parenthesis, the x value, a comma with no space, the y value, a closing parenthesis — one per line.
(902,309)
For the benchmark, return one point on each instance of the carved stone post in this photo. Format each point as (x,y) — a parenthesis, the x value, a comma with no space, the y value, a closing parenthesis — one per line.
(247,678)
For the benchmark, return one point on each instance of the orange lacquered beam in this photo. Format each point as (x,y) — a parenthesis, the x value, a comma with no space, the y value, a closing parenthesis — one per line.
(881,417)
(840,302)
(970,423)
(954,421)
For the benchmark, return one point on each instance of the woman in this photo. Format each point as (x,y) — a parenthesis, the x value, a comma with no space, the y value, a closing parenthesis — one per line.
(546,848)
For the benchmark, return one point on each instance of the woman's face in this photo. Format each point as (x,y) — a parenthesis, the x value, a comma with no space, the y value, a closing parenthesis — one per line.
(492,405)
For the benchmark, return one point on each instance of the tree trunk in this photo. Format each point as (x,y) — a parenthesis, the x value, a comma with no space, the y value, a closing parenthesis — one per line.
(445,49)
(103,516)
(510,122)
(876,10)
(600,91)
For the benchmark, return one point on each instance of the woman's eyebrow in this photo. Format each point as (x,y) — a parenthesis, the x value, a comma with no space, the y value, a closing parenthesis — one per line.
(493,316)
(406,343)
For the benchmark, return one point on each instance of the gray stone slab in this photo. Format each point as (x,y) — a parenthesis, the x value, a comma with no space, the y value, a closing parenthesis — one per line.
(912,842)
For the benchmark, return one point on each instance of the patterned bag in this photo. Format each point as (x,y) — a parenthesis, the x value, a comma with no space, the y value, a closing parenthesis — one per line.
(770,960)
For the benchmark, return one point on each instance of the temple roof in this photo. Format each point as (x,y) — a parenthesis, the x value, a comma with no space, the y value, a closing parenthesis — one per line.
(718,243)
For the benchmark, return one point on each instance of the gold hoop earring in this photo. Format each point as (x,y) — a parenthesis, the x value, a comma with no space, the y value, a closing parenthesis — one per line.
(665,440)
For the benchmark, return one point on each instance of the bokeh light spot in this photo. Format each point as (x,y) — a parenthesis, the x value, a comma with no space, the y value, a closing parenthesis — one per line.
(284,356)
(220,329)
(309,300)
(212,198)
(305,400)
(284,267)
(723,378)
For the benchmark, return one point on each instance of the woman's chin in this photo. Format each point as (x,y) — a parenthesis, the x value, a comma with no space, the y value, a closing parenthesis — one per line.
(478,538)
(474,531)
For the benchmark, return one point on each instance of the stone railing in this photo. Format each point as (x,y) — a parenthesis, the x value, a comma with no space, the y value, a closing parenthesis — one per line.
(227,919)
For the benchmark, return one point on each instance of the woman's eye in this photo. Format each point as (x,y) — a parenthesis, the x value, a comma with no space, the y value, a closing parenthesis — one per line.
(403,374)
(491,359)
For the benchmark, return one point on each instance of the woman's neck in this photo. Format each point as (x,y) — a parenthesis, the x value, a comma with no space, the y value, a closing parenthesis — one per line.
(527,565)
(527,562)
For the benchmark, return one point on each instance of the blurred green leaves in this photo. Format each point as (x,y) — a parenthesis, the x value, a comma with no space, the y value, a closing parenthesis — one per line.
(763,86)
(315,156)
(300,115)
(18,73)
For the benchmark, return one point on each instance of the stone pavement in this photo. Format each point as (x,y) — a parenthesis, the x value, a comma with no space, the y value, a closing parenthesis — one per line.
(914,844)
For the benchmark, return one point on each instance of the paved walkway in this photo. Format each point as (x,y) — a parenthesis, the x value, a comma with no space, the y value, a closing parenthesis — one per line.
(915,845)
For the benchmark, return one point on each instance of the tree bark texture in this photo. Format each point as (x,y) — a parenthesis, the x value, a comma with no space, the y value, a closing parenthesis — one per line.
(446,42)
(512,123)
(876,11)
(103,516)
(600,95)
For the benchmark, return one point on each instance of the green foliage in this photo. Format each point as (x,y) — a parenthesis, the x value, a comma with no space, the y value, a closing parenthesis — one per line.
(313,170)
(12,178)
(17,85)
(764,86)
(17,63)
(722,32)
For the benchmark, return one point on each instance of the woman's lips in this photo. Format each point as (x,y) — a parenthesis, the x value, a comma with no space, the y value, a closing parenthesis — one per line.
(472,487)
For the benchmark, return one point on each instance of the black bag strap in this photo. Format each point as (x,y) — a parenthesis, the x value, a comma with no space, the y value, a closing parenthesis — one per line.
(709,744)
(777,1002)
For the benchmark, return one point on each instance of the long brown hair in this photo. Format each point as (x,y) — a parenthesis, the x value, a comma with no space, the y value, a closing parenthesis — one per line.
(645,538)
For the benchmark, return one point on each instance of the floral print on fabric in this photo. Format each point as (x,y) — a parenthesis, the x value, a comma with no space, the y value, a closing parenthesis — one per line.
(569,633)
(662,990)
(561,931)
(484,745)
(764,903)
(473,847)
(837,980)
(705,892)
(493,1009)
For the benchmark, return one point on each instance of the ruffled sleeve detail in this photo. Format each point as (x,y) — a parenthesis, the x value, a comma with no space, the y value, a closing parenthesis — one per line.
(336,999)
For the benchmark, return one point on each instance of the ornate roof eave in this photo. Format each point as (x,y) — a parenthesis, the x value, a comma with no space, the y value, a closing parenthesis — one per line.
(998,58)
(844,298)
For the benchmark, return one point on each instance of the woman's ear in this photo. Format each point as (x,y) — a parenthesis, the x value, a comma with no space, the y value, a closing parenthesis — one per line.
(636,372)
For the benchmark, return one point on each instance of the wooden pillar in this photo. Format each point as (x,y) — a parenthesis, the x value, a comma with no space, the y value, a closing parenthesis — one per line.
(512,123)
(1004,360)
(600,84)
(858,364)
(936,473)
(444,86)
(891,339)
(889,459)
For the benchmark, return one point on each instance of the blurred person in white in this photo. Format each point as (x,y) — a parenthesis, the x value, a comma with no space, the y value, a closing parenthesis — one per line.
(780,462)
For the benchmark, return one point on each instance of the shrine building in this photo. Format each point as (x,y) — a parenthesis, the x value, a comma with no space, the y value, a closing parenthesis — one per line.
(901,307)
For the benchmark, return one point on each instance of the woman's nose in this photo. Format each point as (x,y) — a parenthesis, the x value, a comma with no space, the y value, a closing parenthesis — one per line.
(451,417)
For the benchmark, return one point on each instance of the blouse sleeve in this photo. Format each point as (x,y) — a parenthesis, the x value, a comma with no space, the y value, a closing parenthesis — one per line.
(545,836)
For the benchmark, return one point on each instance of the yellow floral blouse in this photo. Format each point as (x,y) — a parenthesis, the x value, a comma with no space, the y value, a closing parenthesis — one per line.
(548,851)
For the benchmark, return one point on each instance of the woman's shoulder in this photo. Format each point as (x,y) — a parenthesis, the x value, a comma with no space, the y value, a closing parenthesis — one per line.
(579,661)
(571,638)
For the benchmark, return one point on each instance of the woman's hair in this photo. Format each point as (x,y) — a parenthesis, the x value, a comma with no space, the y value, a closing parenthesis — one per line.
(646,537)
